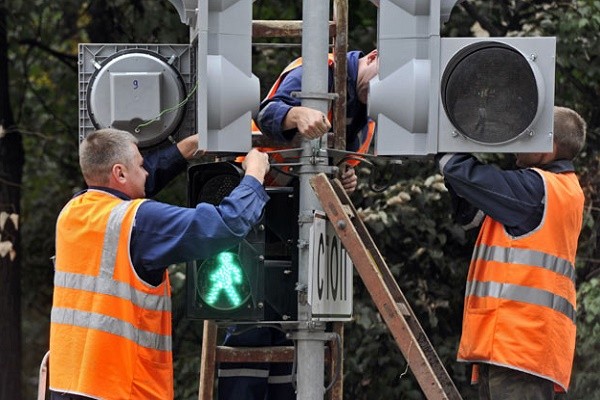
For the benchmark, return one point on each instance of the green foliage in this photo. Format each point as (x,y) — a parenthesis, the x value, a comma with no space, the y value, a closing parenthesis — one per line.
(587,363)
(428,254)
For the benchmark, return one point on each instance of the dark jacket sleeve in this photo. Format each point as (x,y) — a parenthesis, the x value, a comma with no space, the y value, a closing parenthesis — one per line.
(163,166)
(511,197)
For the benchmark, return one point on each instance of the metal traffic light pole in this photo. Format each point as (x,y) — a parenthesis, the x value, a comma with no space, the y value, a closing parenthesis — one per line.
(310,335)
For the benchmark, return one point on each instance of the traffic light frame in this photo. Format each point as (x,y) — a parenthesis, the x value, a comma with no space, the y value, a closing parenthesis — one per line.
(436,94)
(262,270)
(222,35)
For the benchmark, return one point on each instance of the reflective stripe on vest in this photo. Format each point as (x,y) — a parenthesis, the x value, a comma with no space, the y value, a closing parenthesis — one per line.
(511,255)
(110,325)
(112,288)
(526,257)
(523,294)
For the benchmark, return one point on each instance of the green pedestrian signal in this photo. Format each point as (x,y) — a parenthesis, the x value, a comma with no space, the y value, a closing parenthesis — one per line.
(256,279)
(222,283)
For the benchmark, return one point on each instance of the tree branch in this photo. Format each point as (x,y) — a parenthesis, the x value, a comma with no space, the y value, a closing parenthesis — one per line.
(485,23)
(69,60)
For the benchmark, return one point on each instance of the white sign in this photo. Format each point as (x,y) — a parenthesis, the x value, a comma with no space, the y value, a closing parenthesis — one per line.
(329,274)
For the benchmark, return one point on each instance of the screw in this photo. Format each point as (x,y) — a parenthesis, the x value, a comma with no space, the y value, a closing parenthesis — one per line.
(454,133)
(341,224)
(533,57)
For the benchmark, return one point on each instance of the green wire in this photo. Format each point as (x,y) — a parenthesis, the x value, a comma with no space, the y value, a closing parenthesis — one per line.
(171,109)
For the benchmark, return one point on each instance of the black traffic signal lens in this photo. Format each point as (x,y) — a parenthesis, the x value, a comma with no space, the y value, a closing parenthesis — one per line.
(216,188)
(489,92)
(212,182)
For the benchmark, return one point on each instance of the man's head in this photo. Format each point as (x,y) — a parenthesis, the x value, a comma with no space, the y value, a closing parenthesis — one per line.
(367,69)
(110,158)
(569,139)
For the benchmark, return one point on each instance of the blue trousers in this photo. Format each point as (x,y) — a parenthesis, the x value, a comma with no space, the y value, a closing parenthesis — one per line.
(255,381)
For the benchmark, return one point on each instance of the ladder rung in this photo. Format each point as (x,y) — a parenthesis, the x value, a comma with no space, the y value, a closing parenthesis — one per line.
(403,309)
(275,354)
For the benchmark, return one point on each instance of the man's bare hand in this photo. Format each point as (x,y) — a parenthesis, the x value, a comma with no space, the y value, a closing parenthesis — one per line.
(188,147)
(349,180)
(256,164)
(311,124)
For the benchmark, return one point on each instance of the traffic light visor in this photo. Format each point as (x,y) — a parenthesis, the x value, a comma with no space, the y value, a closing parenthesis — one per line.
(489,92)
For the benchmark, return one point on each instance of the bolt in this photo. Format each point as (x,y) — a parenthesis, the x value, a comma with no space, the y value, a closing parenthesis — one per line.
(285,317)
(341,224)
(454,133)
(533,57)
(260,305)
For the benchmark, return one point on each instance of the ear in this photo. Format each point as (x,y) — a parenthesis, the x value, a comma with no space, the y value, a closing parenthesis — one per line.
(119,173)
(372,56)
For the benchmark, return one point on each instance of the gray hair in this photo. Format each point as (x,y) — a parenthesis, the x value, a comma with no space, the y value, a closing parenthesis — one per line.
(569,133)
(102,149)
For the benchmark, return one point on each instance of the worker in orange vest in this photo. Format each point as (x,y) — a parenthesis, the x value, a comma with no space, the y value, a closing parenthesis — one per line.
(519,315)
(110,331)
(281,117)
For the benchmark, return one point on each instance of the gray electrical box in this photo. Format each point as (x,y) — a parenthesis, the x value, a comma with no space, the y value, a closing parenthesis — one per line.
(147,90)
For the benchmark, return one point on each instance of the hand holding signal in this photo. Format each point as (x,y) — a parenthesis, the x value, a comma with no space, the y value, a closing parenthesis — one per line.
(256,164)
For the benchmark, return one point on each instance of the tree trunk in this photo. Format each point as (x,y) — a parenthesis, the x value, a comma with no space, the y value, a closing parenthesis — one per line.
(11,172)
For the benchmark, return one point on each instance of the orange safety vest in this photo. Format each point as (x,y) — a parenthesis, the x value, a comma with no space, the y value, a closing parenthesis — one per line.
(370,129)
(110,332)
(520,302)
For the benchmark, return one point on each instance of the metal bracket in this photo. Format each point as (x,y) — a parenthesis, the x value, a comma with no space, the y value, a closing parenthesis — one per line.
(315,95)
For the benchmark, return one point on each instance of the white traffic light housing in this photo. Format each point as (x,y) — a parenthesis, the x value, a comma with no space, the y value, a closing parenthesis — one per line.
(222,34)
(437,94)
(497,95)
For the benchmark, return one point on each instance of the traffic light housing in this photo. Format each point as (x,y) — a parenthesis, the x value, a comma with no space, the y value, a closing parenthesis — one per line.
(256,279)
(162,91)
(436,94)
(147,90)
(228,93)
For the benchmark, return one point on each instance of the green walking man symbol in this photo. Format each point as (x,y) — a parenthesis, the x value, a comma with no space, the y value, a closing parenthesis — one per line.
(225,278)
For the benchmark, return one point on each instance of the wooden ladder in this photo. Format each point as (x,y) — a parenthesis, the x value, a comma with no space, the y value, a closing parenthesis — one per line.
(385,292)
(213,354)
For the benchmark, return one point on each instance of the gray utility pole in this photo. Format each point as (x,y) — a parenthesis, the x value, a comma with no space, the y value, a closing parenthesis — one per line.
(310,335)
